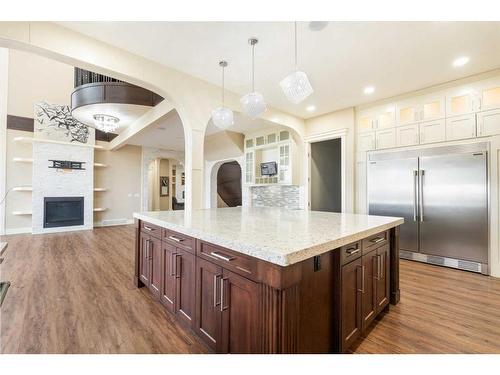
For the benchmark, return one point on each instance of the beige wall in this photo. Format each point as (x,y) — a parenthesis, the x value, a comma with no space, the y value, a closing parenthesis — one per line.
(223,145)
(122,178)
(164,172)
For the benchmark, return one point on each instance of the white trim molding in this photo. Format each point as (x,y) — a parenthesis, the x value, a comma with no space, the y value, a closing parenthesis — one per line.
(4,86)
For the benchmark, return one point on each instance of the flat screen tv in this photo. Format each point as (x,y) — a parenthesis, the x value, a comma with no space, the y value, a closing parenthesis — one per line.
(269,168)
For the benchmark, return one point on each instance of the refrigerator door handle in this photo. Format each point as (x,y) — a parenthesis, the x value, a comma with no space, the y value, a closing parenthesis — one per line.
(415,190)
(421,195)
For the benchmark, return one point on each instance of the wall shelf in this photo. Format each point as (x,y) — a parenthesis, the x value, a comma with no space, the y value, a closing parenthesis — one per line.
(22,160)
(100,165)
(99,209)
(31,140)
(100,189)
(23,188)
(19,213)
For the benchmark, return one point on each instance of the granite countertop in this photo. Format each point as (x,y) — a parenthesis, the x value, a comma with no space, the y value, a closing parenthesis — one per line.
(276,235)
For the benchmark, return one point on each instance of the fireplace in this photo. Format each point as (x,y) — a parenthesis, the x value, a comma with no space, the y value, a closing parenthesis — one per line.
(62,212)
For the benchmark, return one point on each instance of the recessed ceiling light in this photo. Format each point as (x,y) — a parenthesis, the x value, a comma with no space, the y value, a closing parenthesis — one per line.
(461,61)
(369,90)
(317,25)
(310,108)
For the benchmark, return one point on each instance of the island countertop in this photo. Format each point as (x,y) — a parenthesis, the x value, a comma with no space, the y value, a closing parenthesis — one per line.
(277,235)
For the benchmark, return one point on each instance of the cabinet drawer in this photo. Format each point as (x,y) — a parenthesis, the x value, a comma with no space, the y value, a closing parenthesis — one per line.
(178,240)
(350,252)
(151,229)
(228,259)
(375,241)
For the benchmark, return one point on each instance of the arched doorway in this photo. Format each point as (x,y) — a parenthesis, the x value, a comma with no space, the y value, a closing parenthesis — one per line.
(229,185)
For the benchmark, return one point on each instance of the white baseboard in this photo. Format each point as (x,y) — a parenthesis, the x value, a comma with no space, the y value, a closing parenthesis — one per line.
(17,231)
(113,222)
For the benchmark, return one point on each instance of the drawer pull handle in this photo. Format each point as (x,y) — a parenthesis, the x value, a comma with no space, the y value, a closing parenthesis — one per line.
(148,228)
(176,239)
(352,251)
(377,240)
(217,255)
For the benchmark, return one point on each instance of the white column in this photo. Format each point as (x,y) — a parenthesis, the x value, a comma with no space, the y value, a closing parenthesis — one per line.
(4,83)
(193,169)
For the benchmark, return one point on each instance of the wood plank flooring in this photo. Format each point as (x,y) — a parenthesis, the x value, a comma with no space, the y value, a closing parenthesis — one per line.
(73,293)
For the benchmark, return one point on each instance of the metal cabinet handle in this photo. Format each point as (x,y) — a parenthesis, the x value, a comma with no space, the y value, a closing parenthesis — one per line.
(415,199)
(216,277)
(381,267)
(377,240)
(362,290)
(176,239)
(353,250)
(222,307)
(172,264)
(148,228)
(421,195)
(148,249)
(217,255)
(377,265)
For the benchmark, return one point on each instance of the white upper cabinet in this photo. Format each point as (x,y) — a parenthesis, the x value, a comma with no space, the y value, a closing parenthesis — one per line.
(407,135)
(366,121)
(488,94)
(385,116)
(408,111)
(421,108)
(385,138)
(460,101)
(366,141)
(461,127)
(488,123)
(432,131)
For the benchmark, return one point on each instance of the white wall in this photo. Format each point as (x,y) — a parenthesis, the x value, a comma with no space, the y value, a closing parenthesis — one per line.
(4,81)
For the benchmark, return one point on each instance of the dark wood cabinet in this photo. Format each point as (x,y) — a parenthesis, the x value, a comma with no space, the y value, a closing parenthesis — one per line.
(208,313)
(150,269)
(144,267)
(168,283)
(369,272)
(240,306)
(383,279)
(350,306)
(185,276)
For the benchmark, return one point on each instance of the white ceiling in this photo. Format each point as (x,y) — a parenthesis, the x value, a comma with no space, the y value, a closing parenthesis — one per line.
(343,58)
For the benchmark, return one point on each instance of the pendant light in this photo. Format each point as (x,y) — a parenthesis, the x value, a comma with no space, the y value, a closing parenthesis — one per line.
(253,102)
(296,85)
(222,117)
(106,123)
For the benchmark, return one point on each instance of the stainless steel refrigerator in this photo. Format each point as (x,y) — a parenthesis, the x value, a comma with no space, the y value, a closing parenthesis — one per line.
(442,193)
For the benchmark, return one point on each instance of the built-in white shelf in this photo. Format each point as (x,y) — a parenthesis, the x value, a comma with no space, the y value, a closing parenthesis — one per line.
(100,189)
(19,213)
(23,188)
(99,209)
(31,140)
(100,165)
(22,160)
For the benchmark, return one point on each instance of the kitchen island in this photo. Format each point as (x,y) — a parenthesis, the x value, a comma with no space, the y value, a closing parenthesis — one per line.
(270,280)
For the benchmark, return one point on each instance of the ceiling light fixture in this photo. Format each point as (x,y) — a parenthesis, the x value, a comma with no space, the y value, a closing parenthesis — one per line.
(296,86)
(222,117)
(106,123)
(253,102)
(317,25)
(461,61)
(369,90)
(310,108)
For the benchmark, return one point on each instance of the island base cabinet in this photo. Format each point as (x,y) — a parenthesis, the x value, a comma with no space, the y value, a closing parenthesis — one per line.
(150,258)
(168,282)
(228,310)
(185,271)
(350,306)
(369,269)
(383,280)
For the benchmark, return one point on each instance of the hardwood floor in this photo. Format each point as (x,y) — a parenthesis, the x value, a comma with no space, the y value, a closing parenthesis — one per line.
(73,293)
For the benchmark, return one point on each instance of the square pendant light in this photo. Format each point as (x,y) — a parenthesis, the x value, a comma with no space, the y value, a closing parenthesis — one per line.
(296,87)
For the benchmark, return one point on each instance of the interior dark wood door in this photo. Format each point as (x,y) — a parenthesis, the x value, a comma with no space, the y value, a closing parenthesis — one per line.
(185,273)
(383,282)
(351,303)
(208,314)
(155,251)
(144,263)
(240,304)
(167,296)
(369,288)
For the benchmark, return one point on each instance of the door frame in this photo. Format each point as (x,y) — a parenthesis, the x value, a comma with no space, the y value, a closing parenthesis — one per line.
(326,136)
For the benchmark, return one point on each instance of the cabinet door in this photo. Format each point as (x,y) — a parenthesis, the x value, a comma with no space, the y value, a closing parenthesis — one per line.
(167,296)
(249,167)
(408,111)
(156,266)
(366,122)
(489,95)
(382,278)
(351,303)
(240,305)
(461,127)
(386,117)
(433,131)
(366,141)
(208,314)
(144,261)
(488,123)
(460,102)
(185,273)
(284,167)
(433,107)
(368,287)
(385,138)
(407,135)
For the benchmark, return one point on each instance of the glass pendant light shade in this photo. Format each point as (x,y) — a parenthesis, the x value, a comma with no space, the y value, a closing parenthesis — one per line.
(106,123)
(296,87)
(222,117)
(253,104)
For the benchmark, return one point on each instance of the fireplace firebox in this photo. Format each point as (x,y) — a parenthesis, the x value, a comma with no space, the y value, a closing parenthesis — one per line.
(62,212)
